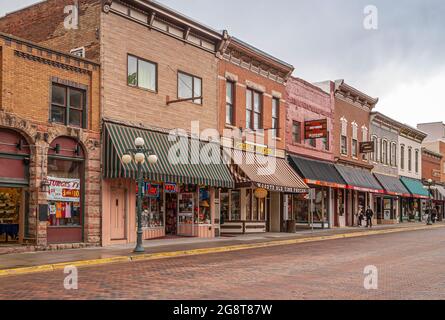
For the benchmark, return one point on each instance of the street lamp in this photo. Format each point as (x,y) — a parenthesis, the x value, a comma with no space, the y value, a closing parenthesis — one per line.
(139,155)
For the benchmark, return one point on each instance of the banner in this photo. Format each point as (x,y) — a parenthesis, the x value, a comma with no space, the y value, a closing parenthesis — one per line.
(63,189)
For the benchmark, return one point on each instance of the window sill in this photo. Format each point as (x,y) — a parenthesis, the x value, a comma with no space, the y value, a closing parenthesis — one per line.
(143,89)
(230,126)
(277,139)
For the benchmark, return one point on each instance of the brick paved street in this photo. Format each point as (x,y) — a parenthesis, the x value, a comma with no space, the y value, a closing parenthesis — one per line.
(410,266)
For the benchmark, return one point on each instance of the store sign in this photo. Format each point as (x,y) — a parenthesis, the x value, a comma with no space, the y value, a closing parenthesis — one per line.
(367,147)
(170,188)
(63,190)
(316,129)
(152,190)
(248,147)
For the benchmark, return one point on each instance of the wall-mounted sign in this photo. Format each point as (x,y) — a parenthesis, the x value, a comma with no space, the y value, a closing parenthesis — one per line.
(170,188)
(367,147)
(248,147)
(316,129)
(63,189)
(151,190)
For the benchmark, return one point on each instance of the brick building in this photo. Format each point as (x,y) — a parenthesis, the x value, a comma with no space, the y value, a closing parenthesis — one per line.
(352,109)
(252,120)
(49,146)
(313,158)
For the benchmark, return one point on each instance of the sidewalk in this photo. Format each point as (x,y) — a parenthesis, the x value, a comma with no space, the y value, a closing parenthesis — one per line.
(20,263)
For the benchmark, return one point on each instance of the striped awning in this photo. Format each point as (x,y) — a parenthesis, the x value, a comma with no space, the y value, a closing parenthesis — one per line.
(270,173)
(118,139)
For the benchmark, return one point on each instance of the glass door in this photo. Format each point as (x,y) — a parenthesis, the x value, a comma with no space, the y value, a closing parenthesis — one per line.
(186,205)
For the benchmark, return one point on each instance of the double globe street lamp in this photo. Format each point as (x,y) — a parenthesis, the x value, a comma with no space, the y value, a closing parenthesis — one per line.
(430,201)
(139,155)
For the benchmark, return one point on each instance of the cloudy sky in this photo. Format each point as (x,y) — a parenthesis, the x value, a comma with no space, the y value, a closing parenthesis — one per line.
(402,62)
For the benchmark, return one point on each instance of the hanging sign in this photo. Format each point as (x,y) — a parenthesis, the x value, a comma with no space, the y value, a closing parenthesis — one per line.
(63,189)
(152,190)
(367,147)
(170,188)
(316,129)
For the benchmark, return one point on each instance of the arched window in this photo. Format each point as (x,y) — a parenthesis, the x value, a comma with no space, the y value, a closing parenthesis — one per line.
(65,175)
(402,157)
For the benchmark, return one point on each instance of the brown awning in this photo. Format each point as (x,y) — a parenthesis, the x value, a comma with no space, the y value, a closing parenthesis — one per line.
(270,173)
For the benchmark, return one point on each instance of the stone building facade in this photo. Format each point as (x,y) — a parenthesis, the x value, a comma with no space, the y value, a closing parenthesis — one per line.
(33,139)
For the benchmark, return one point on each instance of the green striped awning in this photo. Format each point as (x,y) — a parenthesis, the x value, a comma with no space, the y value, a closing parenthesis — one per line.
(119,138)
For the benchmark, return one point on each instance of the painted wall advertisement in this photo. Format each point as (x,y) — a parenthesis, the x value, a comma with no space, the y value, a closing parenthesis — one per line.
(63,189)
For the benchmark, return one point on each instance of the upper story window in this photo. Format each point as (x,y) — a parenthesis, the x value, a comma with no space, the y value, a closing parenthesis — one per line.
(344,137)
(410,159)
(325,142)
(416,159)
(402,157)
(384,158)
(365,139)
(230,92)
(393,151)
(375,153)
(68,106)
(296,132)
(142,73)
(254,110)
(354,140)
(189,87)
(275,117)
(312,143)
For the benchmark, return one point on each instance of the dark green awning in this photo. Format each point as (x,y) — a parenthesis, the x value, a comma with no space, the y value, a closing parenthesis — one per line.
(119,138)
(415,187)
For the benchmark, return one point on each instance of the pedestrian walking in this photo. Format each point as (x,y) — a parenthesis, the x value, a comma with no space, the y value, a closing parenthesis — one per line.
(361,217)
(369,214)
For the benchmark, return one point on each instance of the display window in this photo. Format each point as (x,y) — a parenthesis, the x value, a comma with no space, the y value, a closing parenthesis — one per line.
(64,193)
(10,204)
(235,205)
(153,206)
(203,216)
(301,208)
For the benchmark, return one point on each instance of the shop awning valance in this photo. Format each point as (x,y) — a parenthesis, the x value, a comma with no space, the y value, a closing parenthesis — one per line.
(359,179)
(270,173)
(415,187)
(392,185)
(119,138)
(317,172)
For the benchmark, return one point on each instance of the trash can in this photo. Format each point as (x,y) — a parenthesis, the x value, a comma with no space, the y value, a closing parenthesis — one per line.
(291,226)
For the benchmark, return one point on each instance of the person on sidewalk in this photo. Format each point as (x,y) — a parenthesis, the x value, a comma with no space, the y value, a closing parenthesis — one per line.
(369,215)
(361,217)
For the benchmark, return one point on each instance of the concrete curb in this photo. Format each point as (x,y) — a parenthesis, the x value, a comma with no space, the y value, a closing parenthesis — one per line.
(196,252)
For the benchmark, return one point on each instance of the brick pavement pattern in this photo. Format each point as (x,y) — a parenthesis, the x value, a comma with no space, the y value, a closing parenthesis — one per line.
(410,266)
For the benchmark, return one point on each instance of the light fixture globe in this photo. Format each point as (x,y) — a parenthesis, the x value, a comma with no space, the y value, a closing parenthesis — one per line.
(126,159)
(153,159)
(139,157)
(430,181)
(139,142)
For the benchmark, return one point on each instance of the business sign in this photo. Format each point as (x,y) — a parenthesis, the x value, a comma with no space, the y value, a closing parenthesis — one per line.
(63,189)
(170,188)
(316,129)
(152,190)
(248,147)
(367,147)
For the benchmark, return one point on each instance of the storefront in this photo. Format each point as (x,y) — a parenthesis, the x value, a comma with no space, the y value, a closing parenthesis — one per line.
(259,202)
(439,201)
(388,206)
(413,207)
(181,195)
(362,187)
(324,208)
(65,191)
(14,186)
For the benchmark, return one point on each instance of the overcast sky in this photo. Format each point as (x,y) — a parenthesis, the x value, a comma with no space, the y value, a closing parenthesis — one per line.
(402,62)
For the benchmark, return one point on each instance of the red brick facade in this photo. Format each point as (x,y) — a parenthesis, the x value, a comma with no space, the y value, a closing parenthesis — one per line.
(431,165)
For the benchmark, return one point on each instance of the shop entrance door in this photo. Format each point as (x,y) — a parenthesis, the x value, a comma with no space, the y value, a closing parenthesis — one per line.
(11,205)
(118,217)
(171,215)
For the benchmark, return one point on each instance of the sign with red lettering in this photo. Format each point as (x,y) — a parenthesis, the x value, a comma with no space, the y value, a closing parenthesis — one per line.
(316,129)
(170,188)
(152,190)
(63,189)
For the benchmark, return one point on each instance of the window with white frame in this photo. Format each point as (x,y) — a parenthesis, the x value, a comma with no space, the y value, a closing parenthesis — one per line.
(402,157)
(354,140)
(384,158)
(344,137)
(410,159)
(374,154)
(393,154)
(416,160)
(365,139)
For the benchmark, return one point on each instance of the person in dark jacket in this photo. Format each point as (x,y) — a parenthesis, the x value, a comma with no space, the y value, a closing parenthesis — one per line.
(369,214)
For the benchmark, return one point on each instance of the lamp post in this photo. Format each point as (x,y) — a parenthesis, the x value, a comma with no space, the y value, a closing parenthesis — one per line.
(430,202)
(138,155)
